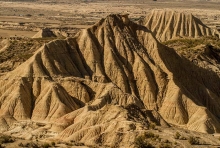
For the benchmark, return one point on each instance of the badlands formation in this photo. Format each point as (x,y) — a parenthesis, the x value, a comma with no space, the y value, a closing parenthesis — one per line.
(43,33)
(167,25)
(48,33)
(110,83)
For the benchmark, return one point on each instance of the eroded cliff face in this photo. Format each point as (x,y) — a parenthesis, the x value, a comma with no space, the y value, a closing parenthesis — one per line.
(112,78)
(167,24)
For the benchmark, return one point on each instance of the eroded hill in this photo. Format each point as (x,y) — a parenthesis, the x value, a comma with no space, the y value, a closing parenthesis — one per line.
(13,52)
(106,86)
(167,24)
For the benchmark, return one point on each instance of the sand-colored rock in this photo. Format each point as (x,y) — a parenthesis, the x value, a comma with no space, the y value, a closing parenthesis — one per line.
(167,24)
(108,83)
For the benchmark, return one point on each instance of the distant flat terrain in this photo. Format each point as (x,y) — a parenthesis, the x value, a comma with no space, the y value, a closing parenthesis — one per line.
(77,12)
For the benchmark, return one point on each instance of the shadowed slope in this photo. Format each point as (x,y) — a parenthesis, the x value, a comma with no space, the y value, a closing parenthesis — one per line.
(44,33)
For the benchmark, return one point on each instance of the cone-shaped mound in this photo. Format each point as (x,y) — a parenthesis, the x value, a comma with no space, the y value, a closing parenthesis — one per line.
(114,77)
(167,24)
(43,33)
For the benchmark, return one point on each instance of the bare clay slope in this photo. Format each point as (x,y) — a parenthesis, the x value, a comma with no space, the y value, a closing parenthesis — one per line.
(167,24)
(43,33)
(114,77)
(138,64)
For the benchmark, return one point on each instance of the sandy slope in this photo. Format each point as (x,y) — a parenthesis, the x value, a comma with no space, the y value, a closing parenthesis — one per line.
(107,85)
(167,25)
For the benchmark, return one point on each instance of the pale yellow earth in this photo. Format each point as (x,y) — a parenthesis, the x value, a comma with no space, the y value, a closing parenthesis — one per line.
(114,80)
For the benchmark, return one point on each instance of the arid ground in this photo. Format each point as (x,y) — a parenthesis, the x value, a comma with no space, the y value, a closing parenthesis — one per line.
(30,16)
(85,74)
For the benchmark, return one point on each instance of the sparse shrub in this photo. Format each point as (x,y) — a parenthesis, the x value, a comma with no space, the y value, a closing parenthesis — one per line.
(6,139)
(165,145)
(182,138)
(26,144)
(166,141)
(46,145)
(177,135)
(152,126)
(141,142)
(69,144)
(28,15)
(59,142)
(149,135)
(53,143)
(21,145)
(31,144)
(193,140)
(159,139)
(79,144)
(159,130)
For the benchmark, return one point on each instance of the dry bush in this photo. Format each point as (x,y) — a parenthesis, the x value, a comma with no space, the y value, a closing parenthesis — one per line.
(193,140)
